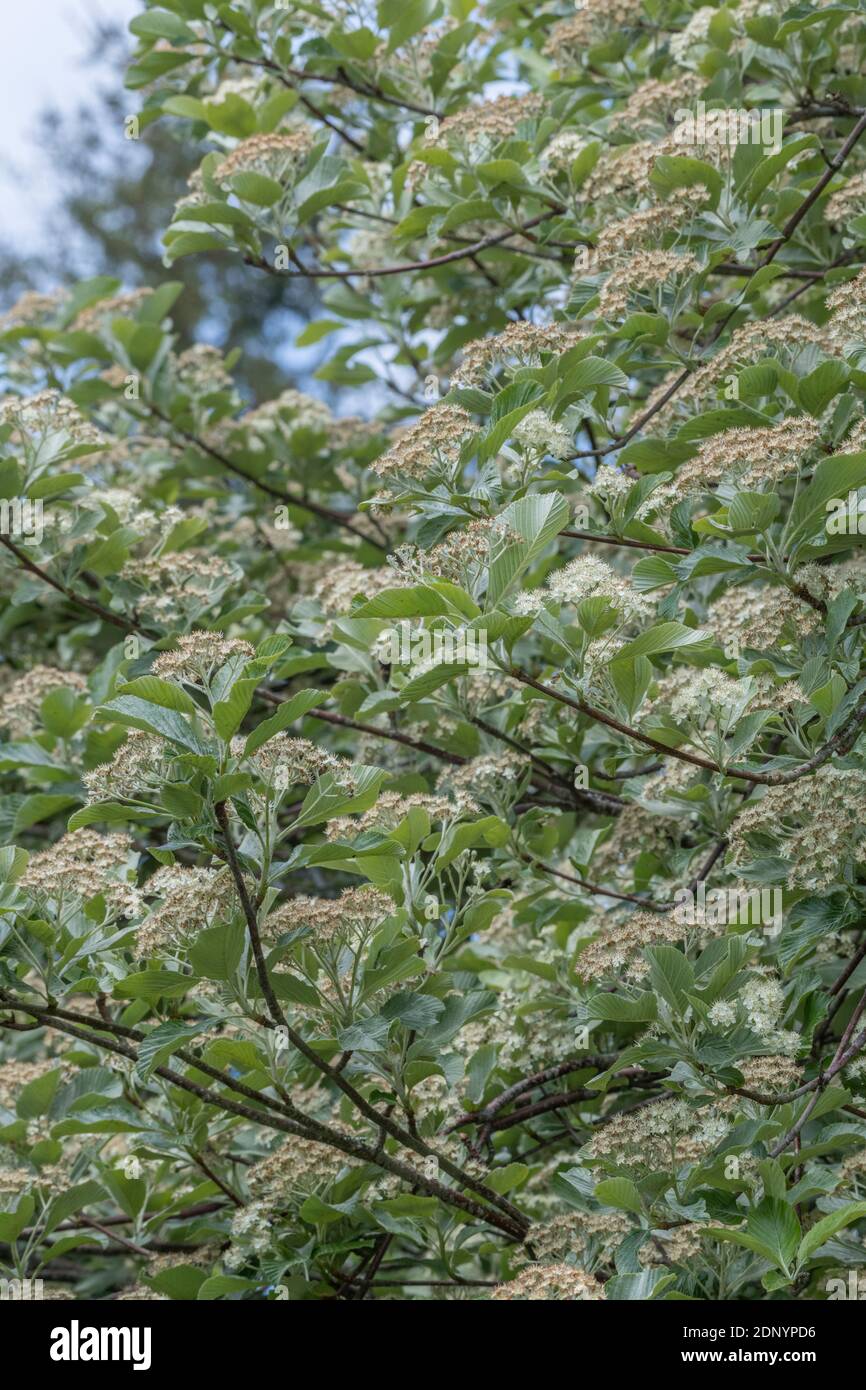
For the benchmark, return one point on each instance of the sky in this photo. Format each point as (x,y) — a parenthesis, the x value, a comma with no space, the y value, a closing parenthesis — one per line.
(41,63)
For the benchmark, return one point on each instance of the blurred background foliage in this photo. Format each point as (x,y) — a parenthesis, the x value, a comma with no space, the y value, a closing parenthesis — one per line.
(111,201)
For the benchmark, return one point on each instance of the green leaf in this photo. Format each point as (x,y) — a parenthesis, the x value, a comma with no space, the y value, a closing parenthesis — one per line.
(653,572)
(216,952)
(767,169)
(616,1009)
(13,862)
(39,807)
(107,812)
(64,713)
(155,691)
(328,798)
(12,1223)
(221,1285)
(646,1285)
(294,708)
(478,1071)
(35,1098)
(256,188)
(537,518)
(316,331)
(505,1179)
(591,372)
(181,1282)
(672,171)
(419,687)
(774,1223)
(155,984)
(821,1232)
(671,974)
(833,479)
(631,680)
(159,1044)
(753,511)
(472,210)
(664,637)
(67,1204)
(161,24)
(229,714)
(821,385)
(489,830)
(136,713)
(772,1231)
(420,601)
(417,1011)
(621,1193)
(412,18)
(183,105)
(181,801)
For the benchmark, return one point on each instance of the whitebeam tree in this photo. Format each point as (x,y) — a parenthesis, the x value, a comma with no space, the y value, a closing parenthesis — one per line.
(435,835)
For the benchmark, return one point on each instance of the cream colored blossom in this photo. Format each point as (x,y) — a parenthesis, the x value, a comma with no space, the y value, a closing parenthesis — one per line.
(484,124)
(576,1232)
(434,441)
(661,1136)
(21,699)
(644,274)
(594,20)
(289,411)
(518,345)
(782,338)
(298,1165)
(847,306)
(751,458)
(15,1075)
(32,309)
(201,369)
(538,434)
(563,150)
(847,202)
(549,1283)
(347,580)
(390,809)
(760,618)
(198,655)
(47,413)
(81,864)
(139,766)
(816,825)
(98,317)
(190,898)
(653,104)
(588,577)
(277,154)
(351,915)
(292,762)
(178,583)
(772,1073)
(687,46)
(621,239)
(618,947)
(490,775)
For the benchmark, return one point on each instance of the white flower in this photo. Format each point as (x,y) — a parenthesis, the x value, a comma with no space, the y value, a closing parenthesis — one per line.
(538,434)
(763,1001)
(563,150)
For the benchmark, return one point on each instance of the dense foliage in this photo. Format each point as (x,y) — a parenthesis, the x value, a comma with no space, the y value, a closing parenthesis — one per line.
(436,840)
